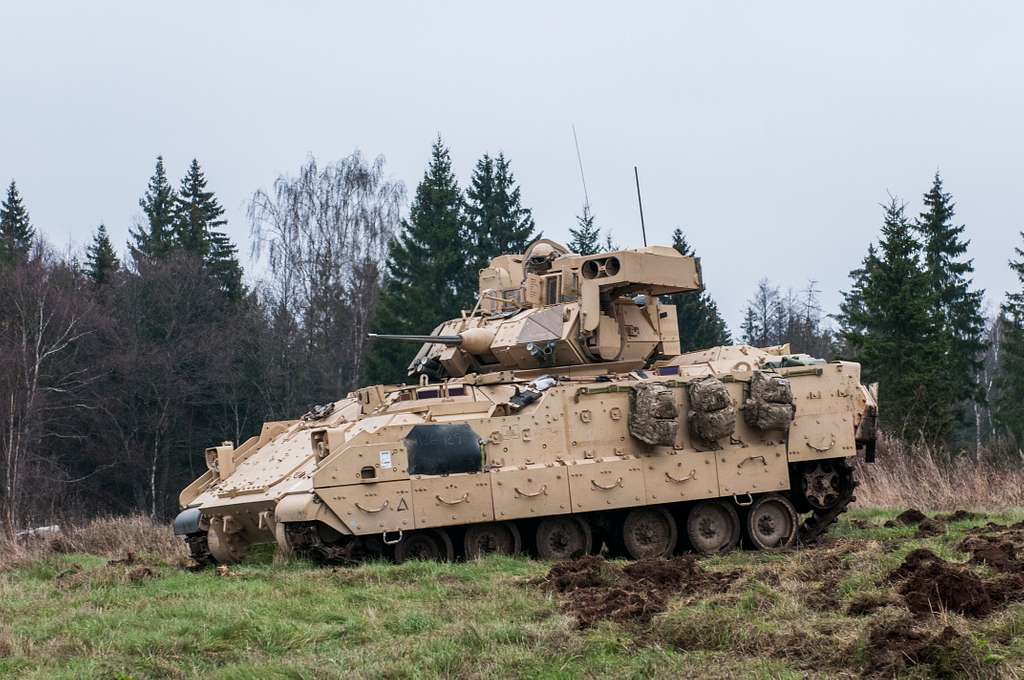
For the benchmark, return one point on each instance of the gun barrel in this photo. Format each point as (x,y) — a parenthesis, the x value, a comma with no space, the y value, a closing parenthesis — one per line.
(449,340)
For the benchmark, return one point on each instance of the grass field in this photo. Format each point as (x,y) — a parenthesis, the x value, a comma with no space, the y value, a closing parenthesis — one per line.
(826,611)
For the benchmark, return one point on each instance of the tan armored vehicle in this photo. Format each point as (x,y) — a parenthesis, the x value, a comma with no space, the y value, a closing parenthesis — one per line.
(557,417)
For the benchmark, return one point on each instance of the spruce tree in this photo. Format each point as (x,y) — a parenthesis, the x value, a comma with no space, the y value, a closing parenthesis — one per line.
(496,221)
(155,238)
(197,221)
(700,324)
(585,239)
(425,276)
(16,232)
(197,213)
(961,324)
(1009,405)
(101,261)
(889,322)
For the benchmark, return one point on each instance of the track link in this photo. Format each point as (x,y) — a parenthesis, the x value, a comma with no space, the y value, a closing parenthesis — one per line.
(199,549)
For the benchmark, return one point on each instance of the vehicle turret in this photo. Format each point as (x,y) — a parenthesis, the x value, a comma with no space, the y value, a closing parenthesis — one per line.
(549,307)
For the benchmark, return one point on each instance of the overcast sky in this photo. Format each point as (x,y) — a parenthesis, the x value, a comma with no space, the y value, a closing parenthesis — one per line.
(769,132)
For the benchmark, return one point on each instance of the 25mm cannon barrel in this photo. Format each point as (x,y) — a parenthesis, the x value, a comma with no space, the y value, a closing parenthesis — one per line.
(448,340)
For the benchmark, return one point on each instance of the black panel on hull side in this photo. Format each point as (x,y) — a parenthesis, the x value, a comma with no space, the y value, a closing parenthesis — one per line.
(443,450)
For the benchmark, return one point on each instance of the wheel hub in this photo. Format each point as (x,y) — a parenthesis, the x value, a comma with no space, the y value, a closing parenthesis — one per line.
(821,486)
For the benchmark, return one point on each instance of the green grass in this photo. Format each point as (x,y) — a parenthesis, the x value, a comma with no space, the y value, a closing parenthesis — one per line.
(74,616)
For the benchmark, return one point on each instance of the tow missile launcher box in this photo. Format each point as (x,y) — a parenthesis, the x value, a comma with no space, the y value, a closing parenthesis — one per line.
(557,417)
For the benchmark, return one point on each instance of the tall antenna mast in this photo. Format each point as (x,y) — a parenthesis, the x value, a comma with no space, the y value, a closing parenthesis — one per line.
(640,202)
(579,159)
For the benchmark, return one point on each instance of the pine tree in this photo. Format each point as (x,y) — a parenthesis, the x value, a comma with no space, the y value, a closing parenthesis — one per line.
(700,324)
(155,238)
(585,239)
(197,221)
(101,261)
(1009,406)
(425,275)
(961,324)
(496,221)
(888,321)
(16,232)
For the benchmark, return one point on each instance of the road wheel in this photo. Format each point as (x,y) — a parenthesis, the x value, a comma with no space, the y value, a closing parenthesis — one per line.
(563,538)
(649,532)
(226,548)
(499,538)
(772,522)
(431,545)
(713,527)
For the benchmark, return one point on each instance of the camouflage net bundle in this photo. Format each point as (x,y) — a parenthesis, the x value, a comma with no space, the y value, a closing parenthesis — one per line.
(712,415)
(653,414)
(770,405)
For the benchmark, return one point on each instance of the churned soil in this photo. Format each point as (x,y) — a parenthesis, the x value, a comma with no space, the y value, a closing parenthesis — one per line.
(892,645)
(929,584)
(928,527)
(997,546)
(592,589)
(958,516)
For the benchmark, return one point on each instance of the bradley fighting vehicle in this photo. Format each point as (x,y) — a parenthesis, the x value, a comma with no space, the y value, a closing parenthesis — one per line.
(557,417)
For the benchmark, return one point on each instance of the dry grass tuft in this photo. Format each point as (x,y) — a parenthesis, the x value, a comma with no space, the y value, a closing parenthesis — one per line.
(906,475)
(116,537)
(111,537)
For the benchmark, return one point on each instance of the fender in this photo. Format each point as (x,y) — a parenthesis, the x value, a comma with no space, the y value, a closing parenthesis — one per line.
(306,507)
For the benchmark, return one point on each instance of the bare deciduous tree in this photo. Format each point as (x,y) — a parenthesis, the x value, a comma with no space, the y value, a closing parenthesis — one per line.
(325,235)
(40,324)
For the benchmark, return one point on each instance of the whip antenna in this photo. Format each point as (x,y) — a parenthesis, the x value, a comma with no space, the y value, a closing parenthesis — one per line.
(640,202)
(579,159)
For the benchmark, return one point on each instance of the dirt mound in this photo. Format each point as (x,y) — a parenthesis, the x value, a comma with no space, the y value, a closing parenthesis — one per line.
(892,645)
(998,553)
(929,583)
(930,527)
(1000,547)
(593,589)
(958,516)
(582,573)
(911,516)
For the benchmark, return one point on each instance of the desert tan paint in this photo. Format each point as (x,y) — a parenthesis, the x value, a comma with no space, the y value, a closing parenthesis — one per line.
(570,451)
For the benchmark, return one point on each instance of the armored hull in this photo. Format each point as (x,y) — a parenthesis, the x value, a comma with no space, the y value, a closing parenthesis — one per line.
(559,418)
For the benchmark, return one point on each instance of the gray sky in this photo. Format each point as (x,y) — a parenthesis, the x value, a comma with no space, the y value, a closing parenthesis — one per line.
(769,132)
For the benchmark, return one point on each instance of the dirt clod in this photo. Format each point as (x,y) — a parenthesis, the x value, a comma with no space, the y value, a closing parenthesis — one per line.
(930,527)
(593,589)
(958,516)
(929,583)
(911,516)
(892,645)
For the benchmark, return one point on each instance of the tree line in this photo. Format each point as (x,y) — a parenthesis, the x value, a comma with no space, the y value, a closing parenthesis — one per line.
(915,321)
(117,368)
